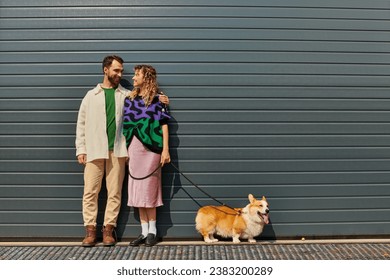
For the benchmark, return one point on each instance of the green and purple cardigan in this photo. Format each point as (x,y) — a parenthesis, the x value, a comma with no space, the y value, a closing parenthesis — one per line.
(145,123)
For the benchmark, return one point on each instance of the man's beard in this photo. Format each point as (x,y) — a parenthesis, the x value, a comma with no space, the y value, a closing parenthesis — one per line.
(114,80)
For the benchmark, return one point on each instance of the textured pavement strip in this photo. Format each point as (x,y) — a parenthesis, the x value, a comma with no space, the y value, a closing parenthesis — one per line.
(200,251)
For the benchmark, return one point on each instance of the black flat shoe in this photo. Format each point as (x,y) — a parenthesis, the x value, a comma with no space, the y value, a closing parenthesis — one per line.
(136,242)
(151,240)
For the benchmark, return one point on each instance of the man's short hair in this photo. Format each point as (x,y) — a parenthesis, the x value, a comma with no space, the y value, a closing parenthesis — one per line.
(107,61)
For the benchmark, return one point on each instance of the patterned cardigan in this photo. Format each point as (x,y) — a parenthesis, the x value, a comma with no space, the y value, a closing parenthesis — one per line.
(145,123)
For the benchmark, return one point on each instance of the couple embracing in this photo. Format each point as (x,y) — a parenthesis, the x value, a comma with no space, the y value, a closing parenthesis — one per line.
(116,125)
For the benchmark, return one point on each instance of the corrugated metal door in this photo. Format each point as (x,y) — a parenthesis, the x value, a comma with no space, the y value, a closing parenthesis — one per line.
(287,99)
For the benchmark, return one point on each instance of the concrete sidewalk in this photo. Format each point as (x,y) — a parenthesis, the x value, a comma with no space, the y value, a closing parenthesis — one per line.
(367,249)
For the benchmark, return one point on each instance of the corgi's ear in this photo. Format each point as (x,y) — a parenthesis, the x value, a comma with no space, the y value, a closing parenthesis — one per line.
(251,198)
(264,198)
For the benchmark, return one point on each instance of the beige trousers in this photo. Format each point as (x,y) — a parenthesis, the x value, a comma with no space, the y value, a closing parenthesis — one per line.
(94,171)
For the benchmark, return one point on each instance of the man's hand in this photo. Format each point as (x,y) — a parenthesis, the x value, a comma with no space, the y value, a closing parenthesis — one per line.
(163,98)
(82,159)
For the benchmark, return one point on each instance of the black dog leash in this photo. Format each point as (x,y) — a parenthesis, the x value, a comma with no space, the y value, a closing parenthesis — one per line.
(147,176)
(196,186)
(188,179)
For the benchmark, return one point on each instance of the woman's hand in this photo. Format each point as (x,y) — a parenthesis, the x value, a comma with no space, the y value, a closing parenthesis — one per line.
(165,157)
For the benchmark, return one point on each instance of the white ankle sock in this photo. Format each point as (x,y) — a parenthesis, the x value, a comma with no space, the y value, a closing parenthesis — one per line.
(152,227)
(145,229)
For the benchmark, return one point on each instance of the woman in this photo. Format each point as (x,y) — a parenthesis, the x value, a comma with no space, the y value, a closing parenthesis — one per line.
(146,130)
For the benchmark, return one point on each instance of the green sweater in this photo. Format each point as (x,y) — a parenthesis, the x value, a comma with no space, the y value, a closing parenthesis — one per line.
(110,116)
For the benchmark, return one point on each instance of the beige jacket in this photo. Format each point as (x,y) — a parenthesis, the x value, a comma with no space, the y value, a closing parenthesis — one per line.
(91,135)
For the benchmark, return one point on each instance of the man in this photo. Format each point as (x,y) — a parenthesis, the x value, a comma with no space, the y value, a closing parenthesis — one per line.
(101,148)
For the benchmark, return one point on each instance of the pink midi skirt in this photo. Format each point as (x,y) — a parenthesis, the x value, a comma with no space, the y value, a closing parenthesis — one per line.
(145,193)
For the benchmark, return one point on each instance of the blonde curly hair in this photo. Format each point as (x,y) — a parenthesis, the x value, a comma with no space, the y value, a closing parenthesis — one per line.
(150,86)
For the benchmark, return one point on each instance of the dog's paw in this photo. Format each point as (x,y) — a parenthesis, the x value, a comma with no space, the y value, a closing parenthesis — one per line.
(251,240)
(208,240)
(236,240)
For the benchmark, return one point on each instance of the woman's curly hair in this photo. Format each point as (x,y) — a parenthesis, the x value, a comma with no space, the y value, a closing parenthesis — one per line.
(150,86)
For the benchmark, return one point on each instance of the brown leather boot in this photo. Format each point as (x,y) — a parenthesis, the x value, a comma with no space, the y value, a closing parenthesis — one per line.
(90,237)
(108,238)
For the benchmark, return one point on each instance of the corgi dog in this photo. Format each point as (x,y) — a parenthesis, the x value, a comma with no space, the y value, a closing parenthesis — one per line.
(244,223)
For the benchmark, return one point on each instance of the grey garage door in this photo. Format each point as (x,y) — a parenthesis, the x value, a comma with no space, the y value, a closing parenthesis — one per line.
(287,99)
